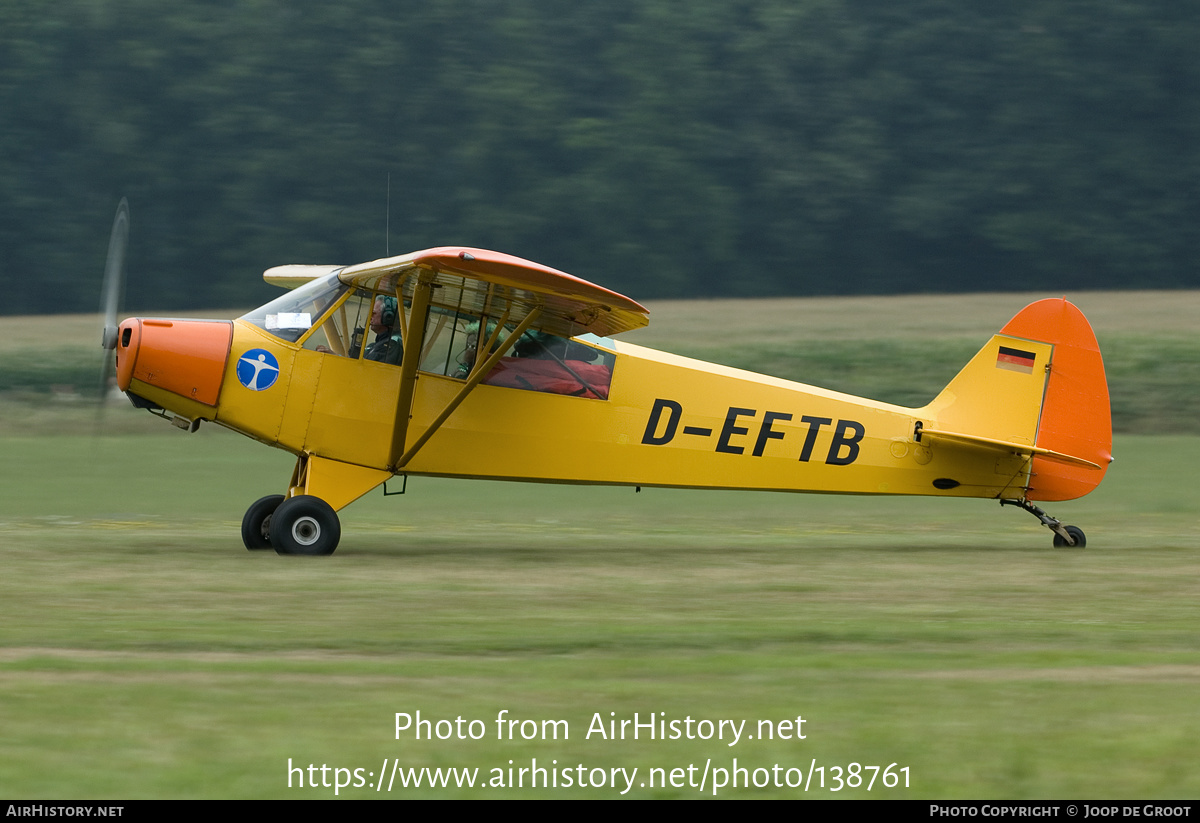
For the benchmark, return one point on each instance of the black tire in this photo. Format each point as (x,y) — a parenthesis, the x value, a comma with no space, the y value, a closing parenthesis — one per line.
(1076,533)
(305,525)
(256,524)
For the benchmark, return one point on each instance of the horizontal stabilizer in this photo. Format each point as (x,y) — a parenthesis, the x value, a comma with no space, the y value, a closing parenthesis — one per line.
(1008,446)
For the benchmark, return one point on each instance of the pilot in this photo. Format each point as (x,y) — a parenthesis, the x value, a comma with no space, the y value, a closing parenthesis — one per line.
(389,343)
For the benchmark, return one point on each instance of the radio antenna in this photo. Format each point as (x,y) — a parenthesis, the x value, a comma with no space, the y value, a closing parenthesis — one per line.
(387,218)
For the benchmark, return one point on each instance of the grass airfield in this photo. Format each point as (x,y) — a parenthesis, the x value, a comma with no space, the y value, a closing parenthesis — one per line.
(145,653)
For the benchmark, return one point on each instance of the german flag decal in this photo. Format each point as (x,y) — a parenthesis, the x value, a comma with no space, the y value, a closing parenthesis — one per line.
(1015,360)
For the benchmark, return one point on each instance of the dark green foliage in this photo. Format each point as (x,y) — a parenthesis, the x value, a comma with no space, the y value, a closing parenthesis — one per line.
(662,149)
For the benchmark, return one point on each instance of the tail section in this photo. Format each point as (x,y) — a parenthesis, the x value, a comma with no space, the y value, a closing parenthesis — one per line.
(1038,388)
(1076,417)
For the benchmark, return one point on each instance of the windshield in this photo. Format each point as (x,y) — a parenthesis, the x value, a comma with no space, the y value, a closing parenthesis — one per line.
(291,315)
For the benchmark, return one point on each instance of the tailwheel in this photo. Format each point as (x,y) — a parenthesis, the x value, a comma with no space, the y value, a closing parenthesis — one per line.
(305,525)
(1076,533)
(1064,536)
(256,525)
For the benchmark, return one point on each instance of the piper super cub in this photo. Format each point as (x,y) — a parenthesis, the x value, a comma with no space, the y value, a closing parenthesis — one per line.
(461,362)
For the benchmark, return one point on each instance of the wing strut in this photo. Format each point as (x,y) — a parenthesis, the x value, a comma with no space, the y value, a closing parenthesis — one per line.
(478,372)
(422,291)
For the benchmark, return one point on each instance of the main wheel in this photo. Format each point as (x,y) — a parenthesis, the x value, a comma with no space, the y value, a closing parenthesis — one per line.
(256,525)
(1076,533)
(305,525)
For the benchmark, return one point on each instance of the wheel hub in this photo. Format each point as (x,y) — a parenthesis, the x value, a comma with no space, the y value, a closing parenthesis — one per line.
(306,531)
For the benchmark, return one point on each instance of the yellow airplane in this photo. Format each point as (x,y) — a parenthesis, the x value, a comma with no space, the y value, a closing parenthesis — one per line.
(461,362)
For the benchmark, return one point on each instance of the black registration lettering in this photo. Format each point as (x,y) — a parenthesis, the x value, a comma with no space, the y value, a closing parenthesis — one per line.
(849,442)
(844,445)
(765,432)
(731,428)
(674,412)
(810,439)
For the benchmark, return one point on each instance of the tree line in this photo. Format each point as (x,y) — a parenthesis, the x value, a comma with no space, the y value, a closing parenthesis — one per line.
(662,149)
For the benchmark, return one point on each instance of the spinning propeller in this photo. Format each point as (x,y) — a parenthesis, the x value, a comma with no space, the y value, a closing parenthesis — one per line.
(113,292)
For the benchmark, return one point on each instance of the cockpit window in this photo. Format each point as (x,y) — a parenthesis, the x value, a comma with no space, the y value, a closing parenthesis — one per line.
(343,329)
(543,362)
(364,323)
(291,315)
(539,361)
(370,325)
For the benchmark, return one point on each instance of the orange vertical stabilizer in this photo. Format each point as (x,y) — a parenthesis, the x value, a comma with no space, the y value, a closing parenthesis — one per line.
(1076,417)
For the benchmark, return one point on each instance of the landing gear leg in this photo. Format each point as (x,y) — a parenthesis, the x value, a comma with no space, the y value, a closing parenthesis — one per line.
(1064,536)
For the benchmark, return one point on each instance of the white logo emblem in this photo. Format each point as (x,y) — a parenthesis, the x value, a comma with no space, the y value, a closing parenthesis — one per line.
(257,370)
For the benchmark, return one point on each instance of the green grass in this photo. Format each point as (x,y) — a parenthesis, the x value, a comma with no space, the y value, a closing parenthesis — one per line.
(145,653)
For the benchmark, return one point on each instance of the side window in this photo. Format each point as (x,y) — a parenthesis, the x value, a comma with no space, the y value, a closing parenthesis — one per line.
(386,341)
(537,362)
(366,325)
(448,347)
(345,328)
(546,363)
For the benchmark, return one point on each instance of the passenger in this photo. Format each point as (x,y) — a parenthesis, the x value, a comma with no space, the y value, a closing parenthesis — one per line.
(389,343)
(466,358)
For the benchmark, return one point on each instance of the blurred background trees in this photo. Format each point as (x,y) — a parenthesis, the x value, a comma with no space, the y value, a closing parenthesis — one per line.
(669,148)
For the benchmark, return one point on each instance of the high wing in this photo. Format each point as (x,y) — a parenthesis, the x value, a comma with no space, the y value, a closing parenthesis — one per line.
(291,276)
(478,281)
(508,292)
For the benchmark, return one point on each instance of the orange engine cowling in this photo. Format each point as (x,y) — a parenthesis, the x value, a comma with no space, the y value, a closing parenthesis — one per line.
(185,357)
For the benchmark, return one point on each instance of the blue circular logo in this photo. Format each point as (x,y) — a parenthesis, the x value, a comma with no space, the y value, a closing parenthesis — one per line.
(257,369)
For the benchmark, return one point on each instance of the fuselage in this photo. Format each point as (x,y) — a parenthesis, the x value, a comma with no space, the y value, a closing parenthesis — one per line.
(666,421)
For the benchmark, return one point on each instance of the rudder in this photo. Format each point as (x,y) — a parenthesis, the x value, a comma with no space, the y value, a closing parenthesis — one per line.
(1037,386)
(1076,417)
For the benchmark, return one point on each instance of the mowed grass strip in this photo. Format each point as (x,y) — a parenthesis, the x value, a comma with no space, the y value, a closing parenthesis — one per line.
(145,653)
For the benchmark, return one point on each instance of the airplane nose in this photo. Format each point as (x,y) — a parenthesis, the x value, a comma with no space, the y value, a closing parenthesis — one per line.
(185,357)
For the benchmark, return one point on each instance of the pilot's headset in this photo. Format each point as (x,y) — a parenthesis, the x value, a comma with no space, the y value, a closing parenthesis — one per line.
(388,313)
